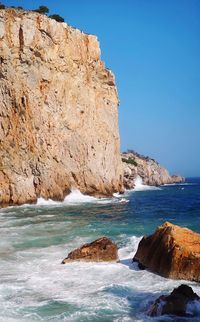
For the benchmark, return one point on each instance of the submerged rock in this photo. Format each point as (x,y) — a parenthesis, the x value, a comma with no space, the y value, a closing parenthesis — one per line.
(175,303)
(100,250)
(172,252)
(58,112)
(149,170)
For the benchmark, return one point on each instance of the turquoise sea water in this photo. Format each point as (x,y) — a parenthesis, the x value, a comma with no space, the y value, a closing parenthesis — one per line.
(34,286)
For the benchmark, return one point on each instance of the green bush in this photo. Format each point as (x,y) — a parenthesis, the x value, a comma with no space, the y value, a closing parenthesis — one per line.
(2,6)
(42,9)
(130,161)
(57,18)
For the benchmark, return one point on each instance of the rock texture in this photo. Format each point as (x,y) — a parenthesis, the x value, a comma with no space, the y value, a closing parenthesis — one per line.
(151,172)
(100,250)
(175,303)
(58,112)
(172,252)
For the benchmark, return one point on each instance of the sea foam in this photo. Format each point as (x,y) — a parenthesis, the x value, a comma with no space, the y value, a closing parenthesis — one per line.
(139,186)
(74,198)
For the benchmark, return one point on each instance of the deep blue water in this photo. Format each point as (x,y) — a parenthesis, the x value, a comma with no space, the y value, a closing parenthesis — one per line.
(34,285)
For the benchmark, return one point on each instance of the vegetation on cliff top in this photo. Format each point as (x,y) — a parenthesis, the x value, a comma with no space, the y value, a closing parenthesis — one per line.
(42,10)
(2,6)
(143,157)
(130,161)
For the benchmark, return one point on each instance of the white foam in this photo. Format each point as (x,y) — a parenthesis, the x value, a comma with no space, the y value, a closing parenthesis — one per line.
(76,197)
(130,249)
(139,186)
(43,202)
(117,195)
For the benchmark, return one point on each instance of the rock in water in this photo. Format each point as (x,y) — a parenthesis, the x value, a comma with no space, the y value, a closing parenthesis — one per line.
(100,250)
(175,303)
(172,252)
(58,112)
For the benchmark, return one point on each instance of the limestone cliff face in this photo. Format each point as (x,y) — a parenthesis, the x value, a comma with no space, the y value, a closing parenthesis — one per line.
(151,172)
(58,112)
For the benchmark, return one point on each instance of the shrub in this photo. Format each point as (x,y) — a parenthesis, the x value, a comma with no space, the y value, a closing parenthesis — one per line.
(57,18)
(130,161)
(42,9)
(2,6)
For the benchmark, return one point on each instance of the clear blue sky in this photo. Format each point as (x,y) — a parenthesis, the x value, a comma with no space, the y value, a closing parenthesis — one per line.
(153,47)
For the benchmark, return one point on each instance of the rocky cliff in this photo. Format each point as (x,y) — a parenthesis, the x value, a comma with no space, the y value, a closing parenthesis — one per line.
(151,172)
(58,112)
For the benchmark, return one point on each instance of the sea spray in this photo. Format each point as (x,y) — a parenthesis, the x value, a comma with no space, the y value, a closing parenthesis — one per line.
(139,186)
(74,198)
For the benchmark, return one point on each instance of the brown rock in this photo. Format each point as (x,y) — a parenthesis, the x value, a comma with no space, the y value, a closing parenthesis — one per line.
(58,112)
(175,303)
(172,252)
(100,250)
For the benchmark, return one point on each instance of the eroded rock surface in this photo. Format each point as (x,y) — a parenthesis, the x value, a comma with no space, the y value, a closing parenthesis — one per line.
(58,112)
(100,250)
(175,303)
(151,172)
(172,252)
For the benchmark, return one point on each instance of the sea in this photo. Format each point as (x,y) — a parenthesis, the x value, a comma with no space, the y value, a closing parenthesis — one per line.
(34,239)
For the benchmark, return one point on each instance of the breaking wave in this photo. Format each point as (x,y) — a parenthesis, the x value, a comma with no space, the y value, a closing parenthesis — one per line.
(76,197)
(139,186)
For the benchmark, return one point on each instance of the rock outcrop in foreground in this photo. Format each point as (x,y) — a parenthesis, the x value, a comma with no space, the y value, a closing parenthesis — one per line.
(100,250)
(151,172)
(175,303)
(58,112)
(172,252)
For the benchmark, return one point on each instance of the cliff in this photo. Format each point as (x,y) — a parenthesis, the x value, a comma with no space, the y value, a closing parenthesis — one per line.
(151,172)
(58,112)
